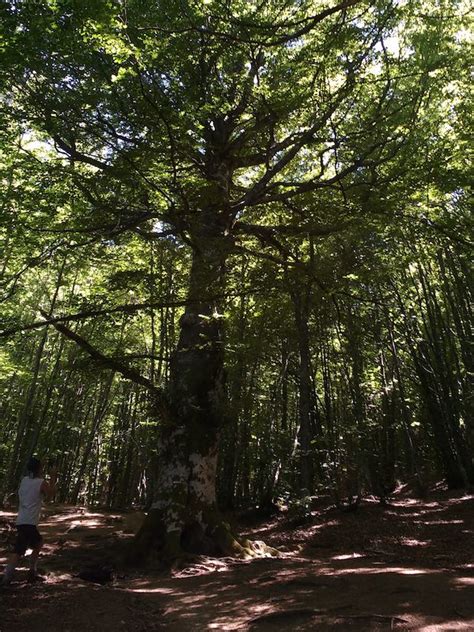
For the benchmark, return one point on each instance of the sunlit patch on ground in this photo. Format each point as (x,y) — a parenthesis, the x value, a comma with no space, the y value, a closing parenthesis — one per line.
(449,626)
(413,542)
(467,581)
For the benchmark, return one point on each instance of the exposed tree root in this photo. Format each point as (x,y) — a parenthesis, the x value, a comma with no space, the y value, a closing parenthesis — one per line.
(242,548)
(185,546)
(283,616)
(376,617)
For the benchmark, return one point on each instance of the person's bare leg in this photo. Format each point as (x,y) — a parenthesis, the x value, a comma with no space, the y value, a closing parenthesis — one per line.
(12,563)
(33,574)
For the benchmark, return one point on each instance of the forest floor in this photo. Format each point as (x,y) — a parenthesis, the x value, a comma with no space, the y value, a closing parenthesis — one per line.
(406,566)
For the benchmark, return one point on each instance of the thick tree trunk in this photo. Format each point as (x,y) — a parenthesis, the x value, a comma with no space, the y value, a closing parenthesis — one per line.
(186,484)
(184,516)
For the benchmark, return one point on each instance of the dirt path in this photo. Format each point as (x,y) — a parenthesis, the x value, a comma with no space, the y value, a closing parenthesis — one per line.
(409,566)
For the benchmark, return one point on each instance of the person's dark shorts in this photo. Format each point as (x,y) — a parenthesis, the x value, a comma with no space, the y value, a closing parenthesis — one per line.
(27,537)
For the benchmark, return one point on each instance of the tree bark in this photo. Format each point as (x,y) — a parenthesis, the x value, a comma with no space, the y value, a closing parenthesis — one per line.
(184,515)
(301,310)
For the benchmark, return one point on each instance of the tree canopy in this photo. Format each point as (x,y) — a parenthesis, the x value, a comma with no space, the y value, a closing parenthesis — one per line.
(235,246)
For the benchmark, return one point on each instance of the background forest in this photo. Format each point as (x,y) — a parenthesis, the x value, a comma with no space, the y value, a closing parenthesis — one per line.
(346,308)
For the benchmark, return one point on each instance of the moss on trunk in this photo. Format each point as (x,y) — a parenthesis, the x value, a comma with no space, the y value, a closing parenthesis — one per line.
(217,540)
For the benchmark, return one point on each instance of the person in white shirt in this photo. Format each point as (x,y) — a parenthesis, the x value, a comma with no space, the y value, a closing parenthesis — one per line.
(33,488)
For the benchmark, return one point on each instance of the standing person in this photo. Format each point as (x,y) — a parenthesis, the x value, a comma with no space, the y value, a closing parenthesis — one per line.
(33,488)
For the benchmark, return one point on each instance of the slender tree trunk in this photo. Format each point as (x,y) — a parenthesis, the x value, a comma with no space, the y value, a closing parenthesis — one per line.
(229,457)
(388,428)
(98,417)
(412,453)
(25,419)
(305,394)
(47,400)
(300,294)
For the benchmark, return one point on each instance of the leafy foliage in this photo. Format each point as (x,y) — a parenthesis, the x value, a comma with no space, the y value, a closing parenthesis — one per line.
(318,153)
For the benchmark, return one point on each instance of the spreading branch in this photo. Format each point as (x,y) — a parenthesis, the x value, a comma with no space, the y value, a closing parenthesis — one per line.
(302,27)
(78,156)
(102,360)
(120,309)
(262,231)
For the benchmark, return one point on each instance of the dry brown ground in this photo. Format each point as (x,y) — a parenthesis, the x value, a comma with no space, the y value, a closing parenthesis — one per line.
(409,566)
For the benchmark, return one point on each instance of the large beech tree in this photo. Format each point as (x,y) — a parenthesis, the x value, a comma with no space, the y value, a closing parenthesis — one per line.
(197,121)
